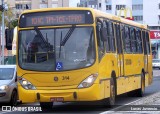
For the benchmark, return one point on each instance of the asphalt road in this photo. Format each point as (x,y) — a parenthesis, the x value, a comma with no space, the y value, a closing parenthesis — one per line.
(95,107)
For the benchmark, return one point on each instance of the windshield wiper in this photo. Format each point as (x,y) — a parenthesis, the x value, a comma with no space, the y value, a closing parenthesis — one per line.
(41,37)
(60,46)
(67,36)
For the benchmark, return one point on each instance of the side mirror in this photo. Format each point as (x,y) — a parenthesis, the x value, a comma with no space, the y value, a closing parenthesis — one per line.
(9,38)
(103,32)
(16,79)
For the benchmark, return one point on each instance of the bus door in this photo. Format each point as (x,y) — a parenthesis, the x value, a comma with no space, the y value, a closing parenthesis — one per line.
(120,58)
(145,52)
(147,56)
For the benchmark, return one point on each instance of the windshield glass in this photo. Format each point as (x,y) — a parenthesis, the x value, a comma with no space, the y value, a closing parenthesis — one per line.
(56,49)
(6,73)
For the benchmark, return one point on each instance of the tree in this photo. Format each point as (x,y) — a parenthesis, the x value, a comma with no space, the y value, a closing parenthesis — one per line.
(10,18)
(14,23)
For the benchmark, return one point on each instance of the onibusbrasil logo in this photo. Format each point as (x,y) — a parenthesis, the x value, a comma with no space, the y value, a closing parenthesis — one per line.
(24,108)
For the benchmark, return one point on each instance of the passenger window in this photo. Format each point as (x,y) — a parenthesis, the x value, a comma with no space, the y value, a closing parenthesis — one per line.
(133,40)
(108,37)
(118,38)
(123,36)
(112,37)
(144,42)
(101,49)
(139,41)
(147,43)
(127,40)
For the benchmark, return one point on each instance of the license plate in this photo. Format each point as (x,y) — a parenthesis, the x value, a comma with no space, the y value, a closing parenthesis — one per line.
(57,99)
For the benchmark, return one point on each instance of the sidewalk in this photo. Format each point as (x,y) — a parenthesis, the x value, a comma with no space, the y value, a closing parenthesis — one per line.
(146,105)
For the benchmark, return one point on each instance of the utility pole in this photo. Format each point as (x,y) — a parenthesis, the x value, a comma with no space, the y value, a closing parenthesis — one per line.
(62,3)
(87,3)
(3,33)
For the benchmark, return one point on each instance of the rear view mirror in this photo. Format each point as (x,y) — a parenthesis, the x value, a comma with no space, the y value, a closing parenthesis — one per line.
(16,79)
(9,38)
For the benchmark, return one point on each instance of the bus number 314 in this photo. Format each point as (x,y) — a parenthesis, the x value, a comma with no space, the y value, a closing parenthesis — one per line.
(65,77)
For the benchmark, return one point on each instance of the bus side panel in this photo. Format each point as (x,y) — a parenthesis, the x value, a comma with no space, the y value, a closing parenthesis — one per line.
(133,65)
(150,78)
(103,71)
(129,69)
(150,69)
(121,85)
(138,63)
(107,64)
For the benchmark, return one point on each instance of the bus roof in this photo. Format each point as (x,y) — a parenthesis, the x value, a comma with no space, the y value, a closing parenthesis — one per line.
(119,19)
(59,8)
(95,12)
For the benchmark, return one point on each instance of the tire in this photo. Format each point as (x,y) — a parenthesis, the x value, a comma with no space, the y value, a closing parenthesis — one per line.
(131,93)
(13,101)
(140,92)
(109,102)
(46,106)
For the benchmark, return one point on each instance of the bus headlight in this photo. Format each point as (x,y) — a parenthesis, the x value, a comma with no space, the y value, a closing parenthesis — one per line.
(88,81)
(26,84)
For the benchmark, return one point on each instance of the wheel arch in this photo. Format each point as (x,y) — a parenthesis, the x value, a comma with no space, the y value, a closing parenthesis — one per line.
(143,71)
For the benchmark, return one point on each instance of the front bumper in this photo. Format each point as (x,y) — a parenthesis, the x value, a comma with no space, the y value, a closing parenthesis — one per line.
(86,94)
(5,96)
(155,66)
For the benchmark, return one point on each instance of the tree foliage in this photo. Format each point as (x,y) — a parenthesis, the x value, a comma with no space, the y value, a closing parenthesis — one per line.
(9,16)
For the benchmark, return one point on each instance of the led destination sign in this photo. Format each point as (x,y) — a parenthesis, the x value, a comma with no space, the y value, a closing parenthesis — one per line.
(55,18)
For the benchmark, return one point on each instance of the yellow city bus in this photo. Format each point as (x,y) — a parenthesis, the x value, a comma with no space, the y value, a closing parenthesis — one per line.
(80,54)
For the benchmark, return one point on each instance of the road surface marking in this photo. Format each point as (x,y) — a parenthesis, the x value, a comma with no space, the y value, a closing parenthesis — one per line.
(113,110)
(4,112)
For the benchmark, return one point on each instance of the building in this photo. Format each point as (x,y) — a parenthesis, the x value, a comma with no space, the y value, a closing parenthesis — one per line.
(19,6)
(53,3)
(109,6)
(89,3)
(137,10)
(22,5)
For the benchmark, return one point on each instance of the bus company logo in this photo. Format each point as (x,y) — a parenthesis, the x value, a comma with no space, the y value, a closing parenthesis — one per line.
(55,78)
(6,108)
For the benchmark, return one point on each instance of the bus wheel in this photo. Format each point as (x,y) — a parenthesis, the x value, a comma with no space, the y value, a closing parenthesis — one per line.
(140,92)
(109,102)
(46,105)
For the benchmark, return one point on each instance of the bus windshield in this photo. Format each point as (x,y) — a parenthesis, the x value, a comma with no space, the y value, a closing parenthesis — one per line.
(56,49)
